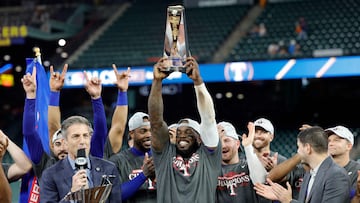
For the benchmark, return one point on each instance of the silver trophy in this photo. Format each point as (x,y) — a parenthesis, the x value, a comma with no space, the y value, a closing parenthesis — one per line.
(92,195)
(175,44)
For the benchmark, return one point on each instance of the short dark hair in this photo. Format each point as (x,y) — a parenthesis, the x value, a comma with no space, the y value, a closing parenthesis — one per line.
(74,120)
(316,137)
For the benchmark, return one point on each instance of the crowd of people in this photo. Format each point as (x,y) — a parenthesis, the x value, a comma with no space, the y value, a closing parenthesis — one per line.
(194,161)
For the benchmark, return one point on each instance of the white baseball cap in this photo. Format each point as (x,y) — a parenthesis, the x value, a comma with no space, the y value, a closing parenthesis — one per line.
(342,132)
(229,129)
(190,123)
(57,135)
(174,125)
(137,121)
(265,123)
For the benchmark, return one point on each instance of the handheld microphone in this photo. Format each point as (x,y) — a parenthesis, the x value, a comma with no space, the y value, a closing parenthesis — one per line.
(81,161)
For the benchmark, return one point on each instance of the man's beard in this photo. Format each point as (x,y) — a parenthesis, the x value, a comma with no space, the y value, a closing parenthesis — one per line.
(187,153)
(57,156)
(138,144)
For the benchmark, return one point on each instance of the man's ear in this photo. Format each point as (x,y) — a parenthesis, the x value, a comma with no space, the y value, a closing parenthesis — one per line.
(271,137)
(198,138)
(308,148)
(238,144)
(131,134)
(349,146)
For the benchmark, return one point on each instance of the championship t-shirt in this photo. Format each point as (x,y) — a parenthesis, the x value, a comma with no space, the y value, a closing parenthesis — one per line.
(235,185)
(187,180)
(129,165)
(352,167)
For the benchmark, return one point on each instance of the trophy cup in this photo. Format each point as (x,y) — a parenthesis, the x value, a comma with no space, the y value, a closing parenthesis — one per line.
(175,44)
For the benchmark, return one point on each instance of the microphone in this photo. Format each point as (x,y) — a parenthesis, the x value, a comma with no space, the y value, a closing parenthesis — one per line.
(81,161)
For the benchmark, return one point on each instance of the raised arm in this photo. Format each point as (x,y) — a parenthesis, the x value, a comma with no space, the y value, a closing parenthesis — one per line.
(209,134)
(159,129)
(56,83)
(21,164)
(31,136)
(93,87)
(256,169)
(118,122)
(5,189)
(280,171)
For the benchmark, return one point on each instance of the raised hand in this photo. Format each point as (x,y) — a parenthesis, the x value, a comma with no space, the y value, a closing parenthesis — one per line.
(56,81)
(160,69)
(192,70)
(122,79)
(148,166)
(304,126)
(249,139)
(93,86)
(29,84)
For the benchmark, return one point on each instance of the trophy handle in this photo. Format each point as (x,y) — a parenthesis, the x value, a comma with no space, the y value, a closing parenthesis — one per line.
(106,193)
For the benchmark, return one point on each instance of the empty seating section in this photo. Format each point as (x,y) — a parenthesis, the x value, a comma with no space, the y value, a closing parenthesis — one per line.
(35,15)
(15,16)
(331,24)
(130,40)
(137,37)
(209,27)
(64,13)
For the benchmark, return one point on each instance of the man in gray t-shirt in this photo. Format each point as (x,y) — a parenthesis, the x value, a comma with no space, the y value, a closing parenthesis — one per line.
(186,171)
(238,175)
(341,141)
(264,135)
(135,165)
(190,179)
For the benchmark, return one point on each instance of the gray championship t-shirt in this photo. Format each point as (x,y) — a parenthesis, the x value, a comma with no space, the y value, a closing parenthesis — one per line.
(280,159)
(351,168)
(108,152)
(235,185)
(129,166)
(295,179)
(45,162)
(187,180)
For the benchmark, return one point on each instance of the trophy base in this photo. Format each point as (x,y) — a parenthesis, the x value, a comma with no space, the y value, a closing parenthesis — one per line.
(181,69)
(175,64)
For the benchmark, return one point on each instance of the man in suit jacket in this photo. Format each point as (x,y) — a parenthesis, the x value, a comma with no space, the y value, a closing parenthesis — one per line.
(330,183)
(64,177)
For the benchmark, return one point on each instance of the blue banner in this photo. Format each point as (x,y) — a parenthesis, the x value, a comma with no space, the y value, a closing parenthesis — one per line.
(232,71)
(29,186)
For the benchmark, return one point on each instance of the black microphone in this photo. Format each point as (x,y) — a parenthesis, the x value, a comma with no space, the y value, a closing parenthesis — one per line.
(81,161)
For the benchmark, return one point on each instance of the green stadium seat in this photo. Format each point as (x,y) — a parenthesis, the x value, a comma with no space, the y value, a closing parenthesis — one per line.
(328,23)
